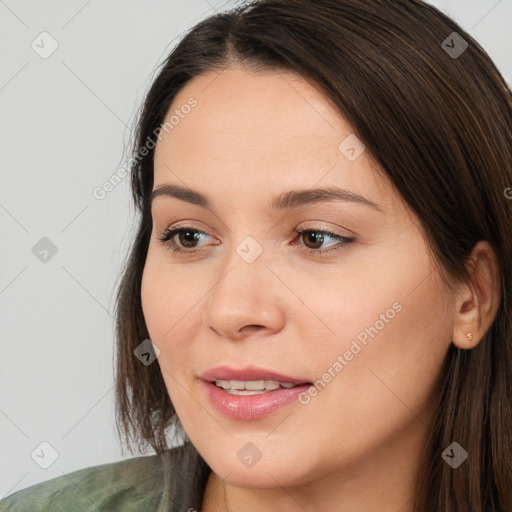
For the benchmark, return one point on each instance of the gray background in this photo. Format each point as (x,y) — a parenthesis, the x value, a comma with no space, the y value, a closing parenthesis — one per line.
(65,121)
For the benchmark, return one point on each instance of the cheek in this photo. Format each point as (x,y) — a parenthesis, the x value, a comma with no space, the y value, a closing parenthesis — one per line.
(153,303)
(159,303)
(386,362)
(389,331)
(161,294)
(171,307)
(162,311)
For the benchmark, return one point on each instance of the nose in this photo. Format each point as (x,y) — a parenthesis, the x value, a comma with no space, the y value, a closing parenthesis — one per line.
(246,301)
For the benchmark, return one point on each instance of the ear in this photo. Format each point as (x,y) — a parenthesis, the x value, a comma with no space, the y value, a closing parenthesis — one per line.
(477,302)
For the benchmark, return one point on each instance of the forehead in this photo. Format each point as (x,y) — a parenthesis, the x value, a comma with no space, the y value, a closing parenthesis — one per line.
(261,131)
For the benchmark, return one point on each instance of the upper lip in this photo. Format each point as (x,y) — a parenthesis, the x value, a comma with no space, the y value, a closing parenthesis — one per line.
(247,374)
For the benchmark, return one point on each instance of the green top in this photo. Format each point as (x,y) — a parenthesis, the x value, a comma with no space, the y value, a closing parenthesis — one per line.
(173,481)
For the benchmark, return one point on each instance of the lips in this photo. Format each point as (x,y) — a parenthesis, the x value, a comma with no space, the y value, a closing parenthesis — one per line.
(250,373)
(250,405)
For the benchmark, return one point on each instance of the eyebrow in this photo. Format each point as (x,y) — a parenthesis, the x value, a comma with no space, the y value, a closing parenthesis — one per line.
(285,200)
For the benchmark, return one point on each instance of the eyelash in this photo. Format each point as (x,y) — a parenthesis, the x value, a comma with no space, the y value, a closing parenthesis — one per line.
(169,234)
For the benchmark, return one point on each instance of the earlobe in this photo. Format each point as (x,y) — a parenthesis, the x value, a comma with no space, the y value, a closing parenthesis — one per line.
(474,313)
(467,324)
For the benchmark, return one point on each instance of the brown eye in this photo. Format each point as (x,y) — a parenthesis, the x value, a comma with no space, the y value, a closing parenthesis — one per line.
(314,238)
(187,238)
(184,240)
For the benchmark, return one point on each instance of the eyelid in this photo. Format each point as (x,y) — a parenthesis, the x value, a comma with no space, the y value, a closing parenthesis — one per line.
(307,225)
(323,226)
(343,241)
(188,224)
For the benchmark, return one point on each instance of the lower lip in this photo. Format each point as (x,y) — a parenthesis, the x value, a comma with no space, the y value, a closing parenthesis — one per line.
(252,407)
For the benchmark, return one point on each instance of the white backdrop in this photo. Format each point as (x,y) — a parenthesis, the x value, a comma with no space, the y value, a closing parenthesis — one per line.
(65,117)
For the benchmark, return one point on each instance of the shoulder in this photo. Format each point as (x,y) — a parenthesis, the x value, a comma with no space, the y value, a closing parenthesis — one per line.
(140,483)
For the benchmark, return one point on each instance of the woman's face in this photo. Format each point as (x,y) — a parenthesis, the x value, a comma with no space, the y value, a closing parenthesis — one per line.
(368,321)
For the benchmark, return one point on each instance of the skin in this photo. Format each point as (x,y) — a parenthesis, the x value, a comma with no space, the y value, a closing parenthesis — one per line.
(355,446)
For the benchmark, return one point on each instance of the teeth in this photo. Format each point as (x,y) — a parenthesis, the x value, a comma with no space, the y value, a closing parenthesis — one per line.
(259,385)
(251,387)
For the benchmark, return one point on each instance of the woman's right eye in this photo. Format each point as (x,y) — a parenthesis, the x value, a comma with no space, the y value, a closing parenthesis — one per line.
(190,236)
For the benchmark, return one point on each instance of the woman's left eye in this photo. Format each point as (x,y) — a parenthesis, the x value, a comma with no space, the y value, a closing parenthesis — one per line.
(187,235)
(318,236)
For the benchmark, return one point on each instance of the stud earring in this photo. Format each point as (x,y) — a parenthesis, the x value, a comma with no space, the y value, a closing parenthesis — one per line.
(469,335)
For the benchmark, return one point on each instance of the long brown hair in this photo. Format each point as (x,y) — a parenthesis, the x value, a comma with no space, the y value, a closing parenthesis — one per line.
(439,122)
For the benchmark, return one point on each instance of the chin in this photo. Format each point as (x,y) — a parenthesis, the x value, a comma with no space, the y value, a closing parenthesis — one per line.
(235,466)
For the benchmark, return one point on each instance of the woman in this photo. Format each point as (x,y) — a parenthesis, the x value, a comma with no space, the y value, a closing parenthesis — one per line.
(317,298)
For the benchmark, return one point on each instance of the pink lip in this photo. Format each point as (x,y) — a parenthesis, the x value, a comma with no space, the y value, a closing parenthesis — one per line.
(250,407)
(248,373)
